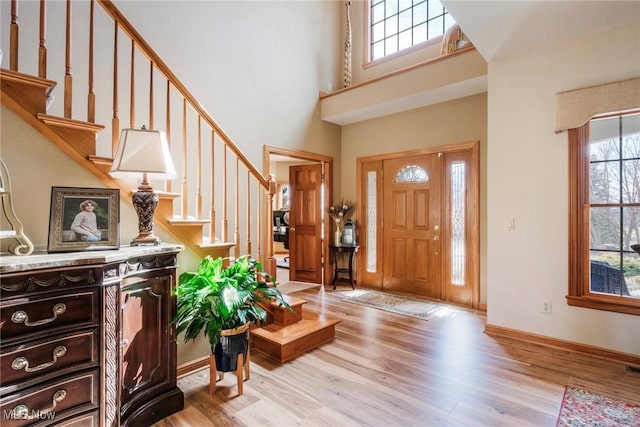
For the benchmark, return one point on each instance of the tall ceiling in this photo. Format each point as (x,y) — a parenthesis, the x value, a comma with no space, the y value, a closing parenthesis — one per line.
(499,28)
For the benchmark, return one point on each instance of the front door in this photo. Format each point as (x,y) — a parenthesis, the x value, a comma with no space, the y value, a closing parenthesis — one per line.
(418,216)
(411,225)
(305,223)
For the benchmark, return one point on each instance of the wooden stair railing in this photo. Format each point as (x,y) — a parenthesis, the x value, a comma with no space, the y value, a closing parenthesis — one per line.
(223,200)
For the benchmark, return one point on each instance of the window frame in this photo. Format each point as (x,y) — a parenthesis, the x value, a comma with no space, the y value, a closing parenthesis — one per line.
(368,46)
(579,243)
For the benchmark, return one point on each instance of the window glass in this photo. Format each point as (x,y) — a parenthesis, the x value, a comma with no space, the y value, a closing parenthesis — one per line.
(614,205)
(406,23)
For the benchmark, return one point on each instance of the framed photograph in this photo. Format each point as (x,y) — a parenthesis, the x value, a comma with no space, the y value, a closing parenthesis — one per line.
(84,219)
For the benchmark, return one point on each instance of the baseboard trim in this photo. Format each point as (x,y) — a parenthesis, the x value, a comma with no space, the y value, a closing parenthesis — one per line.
(482,306)
(192,366)
(627,359)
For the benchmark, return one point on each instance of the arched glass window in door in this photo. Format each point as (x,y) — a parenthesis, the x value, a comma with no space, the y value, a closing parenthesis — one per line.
(412,173)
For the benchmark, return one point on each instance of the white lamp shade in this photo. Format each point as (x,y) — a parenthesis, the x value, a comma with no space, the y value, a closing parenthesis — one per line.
(141,150)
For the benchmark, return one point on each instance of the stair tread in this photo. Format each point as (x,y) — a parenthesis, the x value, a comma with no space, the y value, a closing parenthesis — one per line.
(291,300)
(290,333)
(217,245)
(188,221)
(27,78)
(69,123)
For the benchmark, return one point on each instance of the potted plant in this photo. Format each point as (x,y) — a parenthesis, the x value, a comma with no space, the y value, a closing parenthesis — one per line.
(222,299)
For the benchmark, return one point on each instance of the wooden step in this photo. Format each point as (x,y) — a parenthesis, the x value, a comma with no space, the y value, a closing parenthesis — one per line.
(217,249)
(78,134)
(103,163)
(283,343)
(283,316)
(165,204)
(190,228)
(30,92)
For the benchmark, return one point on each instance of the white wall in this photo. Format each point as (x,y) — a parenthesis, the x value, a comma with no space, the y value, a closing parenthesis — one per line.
(527,181)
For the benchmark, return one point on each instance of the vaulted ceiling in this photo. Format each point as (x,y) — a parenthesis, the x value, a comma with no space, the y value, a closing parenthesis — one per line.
(500,28)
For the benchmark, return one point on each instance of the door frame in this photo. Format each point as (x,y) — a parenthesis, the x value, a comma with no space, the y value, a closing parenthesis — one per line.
(327,172)
(473,147)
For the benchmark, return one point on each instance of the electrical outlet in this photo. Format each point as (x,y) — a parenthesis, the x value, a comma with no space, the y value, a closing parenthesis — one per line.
(546,307)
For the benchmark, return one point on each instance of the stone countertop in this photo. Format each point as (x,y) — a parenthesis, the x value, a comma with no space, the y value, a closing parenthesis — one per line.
(41,260)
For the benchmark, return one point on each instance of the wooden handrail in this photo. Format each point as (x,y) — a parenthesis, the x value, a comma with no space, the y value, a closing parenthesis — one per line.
(144,47)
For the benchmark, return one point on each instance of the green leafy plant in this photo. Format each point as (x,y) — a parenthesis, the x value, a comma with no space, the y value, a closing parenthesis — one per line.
(219,297)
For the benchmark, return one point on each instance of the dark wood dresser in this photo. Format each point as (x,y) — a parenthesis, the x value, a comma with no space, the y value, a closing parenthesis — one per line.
(85,338)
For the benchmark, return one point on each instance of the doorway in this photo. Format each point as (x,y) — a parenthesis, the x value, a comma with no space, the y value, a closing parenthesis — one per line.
(420,216)
(303,185)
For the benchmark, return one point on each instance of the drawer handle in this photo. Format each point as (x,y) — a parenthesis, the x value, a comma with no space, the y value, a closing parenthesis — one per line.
(22,362)
(21,412)
(21,316)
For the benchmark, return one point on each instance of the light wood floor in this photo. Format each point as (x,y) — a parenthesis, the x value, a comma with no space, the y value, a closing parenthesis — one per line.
(384,369)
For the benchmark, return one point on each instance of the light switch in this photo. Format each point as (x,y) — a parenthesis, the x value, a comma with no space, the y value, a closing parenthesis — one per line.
(511,224)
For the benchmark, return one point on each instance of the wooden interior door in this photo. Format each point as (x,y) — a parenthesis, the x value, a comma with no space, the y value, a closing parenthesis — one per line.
(305,223)
(411,225)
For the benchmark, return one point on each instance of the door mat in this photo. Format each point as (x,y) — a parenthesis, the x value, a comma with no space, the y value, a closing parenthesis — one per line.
(584,409)
(414,307)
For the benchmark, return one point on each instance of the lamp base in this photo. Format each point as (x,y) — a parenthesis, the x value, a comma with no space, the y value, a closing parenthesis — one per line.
(145,201)
(143,239)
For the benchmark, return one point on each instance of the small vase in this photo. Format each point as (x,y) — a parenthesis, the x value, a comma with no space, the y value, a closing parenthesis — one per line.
(337,238)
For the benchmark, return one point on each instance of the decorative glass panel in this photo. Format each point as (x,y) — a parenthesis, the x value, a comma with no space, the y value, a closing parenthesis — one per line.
(371,222)
(412,173)
(458,226)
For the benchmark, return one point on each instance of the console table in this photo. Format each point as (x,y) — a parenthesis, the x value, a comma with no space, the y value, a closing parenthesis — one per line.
(336,250)
(86,337)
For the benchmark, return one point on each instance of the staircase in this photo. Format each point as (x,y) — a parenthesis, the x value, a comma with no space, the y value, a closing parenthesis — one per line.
(292,333)
(226,216)
(229,216)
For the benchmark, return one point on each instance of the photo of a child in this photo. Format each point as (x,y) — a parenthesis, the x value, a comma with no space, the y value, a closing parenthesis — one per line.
(85,223)
(84,219)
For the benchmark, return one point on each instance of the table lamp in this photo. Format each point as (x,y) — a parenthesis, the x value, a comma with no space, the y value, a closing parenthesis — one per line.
(146,152)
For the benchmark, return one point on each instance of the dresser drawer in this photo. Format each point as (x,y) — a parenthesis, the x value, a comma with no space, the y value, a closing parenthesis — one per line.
(38,281)
(23,365)
(31,317)
(52,401)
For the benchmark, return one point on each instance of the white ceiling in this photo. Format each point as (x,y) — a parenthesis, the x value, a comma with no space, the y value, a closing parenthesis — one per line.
(499,28)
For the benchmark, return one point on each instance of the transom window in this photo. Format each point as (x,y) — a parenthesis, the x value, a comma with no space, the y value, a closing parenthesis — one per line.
(399,24)
(606,164)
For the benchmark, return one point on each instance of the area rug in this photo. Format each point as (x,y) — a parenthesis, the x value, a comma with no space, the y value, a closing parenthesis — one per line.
(584,409)
(408,306)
